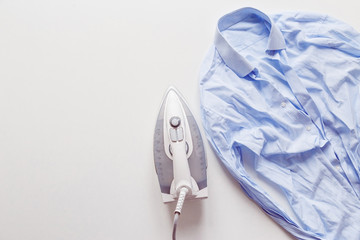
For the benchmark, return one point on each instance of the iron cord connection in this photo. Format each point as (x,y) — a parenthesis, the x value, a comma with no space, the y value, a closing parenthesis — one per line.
(178,209)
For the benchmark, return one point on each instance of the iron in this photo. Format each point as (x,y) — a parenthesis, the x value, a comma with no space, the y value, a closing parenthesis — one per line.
(179,154)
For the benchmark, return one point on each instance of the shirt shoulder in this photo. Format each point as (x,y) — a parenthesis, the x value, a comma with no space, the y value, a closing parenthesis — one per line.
(317,25)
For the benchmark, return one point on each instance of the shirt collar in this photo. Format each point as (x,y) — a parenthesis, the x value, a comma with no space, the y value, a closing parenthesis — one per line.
(231,57)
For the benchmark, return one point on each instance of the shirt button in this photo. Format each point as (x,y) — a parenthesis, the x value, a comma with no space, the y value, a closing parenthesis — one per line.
(308,128)
(283,104)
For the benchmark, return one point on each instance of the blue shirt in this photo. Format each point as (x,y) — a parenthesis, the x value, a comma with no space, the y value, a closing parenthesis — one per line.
(281,94)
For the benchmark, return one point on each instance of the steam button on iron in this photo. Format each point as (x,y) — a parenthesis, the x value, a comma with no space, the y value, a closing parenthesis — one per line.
(173,135)
(180,134)
(175,122)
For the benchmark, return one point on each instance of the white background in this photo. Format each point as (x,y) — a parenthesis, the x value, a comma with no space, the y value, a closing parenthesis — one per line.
(81,83)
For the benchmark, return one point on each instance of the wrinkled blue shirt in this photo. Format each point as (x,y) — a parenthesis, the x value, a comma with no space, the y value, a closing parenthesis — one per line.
(281,94)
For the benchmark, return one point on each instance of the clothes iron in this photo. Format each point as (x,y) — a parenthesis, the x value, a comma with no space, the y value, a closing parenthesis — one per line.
(179,153)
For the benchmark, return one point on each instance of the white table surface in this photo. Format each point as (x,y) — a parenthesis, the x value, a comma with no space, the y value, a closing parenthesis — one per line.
(81,83)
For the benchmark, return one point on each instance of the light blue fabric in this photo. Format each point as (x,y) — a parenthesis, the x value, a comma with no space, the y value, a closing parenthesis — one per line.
(282,92)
